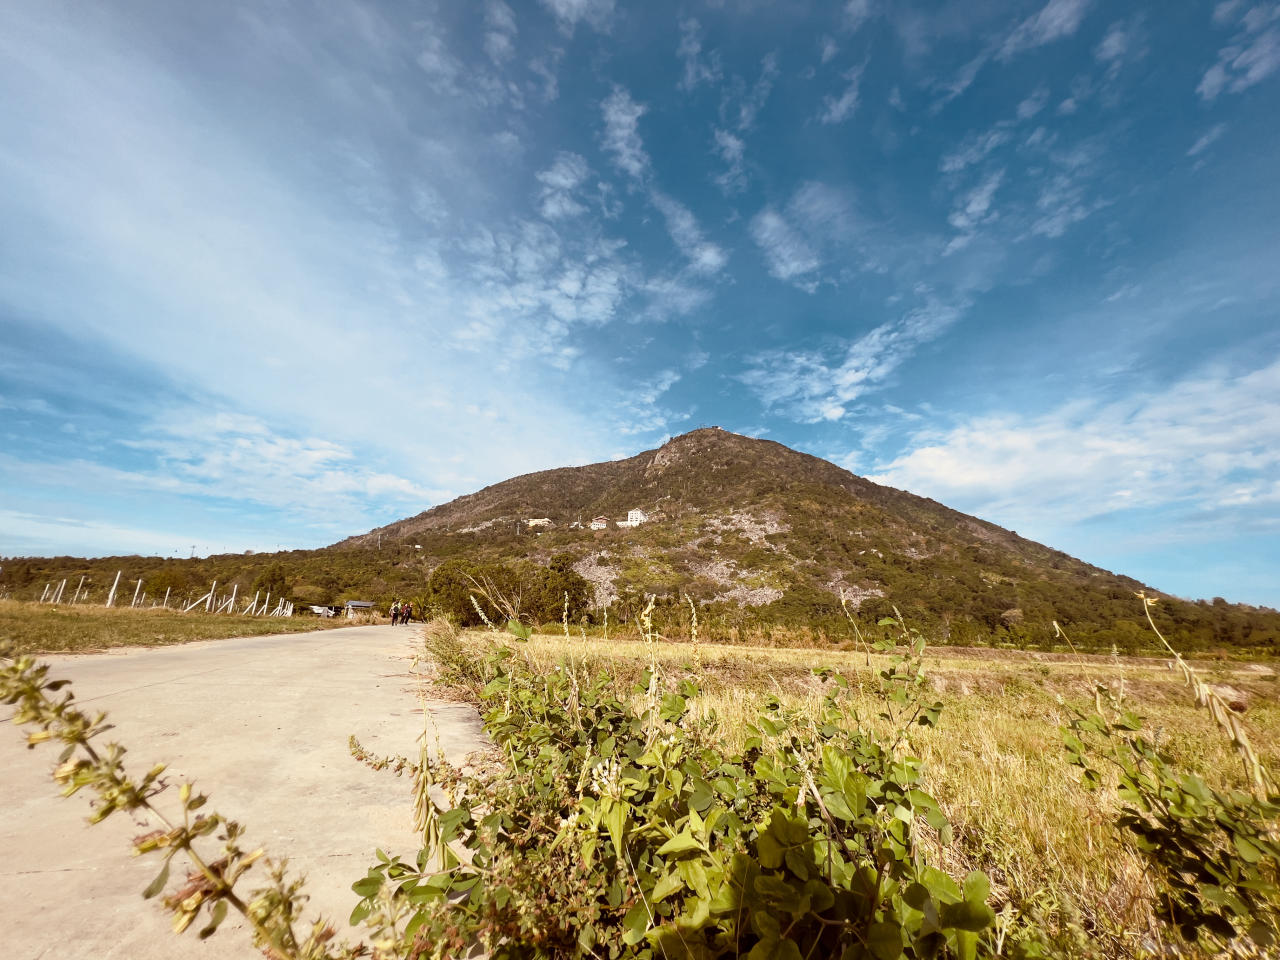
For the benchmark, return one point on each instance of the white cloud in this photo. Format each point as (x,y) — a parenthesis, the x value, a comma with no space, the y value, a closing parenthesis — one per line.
(1056,20)
(753,102)
(439,63)
(787,253)
(696,71)
(811,387)
(703,255)
(856,13)
(1033,104)
(560,182)
(827,48)
(642,413)
(974,209)
(838,109)
(546,71)
(238,457)
(962,81)
(1207,139)
(1208,441)
(569,13)
(796,241)
(500,36)
(974,148)
(1253,53)
(1240,71)
(622,132)
(732,151)
(1113,45)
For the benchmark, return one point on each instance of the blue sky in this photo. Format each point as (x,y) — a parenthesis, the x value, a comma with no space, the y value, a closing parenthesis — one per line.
(274,273)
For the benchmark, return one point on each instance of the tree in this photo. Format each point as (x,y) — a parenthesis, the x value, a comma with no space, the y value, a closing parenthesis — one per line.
(274,579)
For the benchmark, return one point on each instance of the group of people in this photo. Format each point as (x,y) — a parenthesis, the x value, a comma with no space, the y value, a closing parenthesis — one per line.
(401,612)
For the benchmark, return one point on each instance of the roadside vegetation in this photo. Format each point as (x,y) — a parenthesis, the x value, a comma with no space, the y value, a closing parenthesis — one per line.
(654,795)
(32,628)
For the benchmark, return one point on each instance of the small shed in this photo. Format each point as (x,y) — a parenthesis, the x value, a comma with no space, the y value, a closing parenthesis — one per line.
(358,606)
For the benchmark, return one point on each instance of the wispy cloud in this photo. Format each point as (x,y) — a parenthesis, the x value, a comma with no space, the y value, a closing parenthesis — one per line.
(732,152)
(1207,442)
(814,386)
(1056,20)
(696,70)
(796,240)
(622,133)
(788,254)
(1033,103)
(838,109)
(1253,53)
(856,13)
(560,184)
(569,13)
(974,149)
(500,33)
(703,255)
(750,103)
(974,208)
(1207,139)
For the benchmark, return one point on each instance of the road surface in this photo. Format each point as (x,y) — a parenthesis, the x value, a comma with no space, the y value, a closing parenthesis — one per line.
(261,724)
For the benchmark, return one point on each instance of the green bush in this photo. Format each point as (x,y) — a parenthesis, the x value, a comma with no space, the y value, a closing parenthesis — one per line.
(626,831)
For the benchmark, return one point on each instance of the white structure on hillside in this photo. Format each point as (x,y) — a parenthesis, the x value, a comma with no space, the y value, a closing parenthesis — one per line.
(634,518)
(600,523)
(539,522)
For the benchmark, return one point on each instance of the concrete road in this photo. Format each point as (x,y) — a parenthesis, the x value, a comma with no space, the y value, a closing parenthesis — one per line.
(261,724)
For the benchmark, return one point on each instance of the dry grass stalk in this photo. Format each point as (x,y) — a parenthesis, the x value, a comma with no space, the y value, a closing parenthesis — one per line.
(1222,714)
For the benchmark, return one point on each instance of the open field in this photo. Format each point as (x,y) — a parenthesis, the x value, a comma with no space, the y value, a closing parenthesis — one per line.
(45,628)
(995,762)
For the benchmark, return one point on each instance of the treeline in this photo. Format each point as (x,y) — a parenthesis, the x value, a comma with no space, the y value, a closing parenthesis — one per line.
(965,597)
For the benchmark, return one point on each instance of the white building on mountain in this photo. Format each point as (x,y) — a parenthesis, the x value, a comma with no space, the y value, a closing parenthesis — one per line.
(634,518)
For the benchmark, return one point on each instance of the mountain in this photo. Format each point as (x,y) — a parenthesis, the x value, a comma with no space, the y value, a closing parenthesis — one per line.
(756,531)
(763,538)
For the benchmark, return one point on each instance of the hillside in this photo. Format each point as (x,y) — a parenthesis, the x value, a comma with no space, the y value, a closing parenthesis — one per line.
(754,532)
(752,526)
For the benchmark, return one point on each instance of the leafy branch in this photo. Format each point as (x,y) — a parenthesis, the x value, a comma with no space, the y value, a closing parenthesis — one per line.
(273,912)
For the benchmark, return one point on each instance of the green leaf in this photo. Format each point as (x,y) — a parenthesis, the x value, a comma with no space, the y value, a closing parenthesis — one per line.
(156,885)
(683,842)
(636,923)
(1248,852)
(966,945)
(967,915)
(977,888)
(219,914)
(884,940)
(614,816)
(666,886)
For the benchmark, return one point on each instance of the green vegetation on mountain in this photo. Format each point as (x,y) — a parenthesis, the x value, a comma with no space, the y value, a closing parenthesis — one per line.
(760,536)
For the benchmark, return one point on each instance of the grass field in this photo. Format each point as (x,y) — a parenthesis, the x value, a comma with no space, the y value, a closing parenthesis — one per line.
(995,762)
(44,628)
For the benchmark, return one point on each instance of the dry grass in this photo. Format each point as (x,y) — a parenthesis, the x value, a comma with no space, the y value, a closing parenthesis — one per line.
(996,761)
(44,628)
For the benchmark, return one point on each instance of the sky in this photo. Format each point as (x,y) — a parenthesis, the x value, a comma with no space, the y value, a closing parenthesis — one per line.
(273,273)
